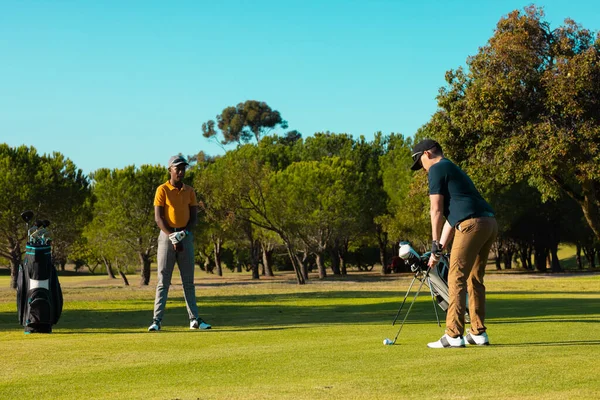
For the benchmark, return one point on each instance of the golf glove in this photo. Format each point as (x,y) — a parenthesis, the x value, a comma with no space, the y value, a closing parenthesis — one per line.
(177,237)
(436,249)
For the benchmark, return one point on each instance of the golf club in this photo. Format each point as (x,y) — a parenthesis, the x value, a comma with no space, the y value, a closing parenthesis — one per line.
(389,342)
(418,265)
(27,216)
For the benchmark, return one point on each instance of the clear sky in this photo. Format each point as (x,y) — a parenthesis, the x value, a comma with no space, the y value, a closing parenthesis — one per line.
(111,83)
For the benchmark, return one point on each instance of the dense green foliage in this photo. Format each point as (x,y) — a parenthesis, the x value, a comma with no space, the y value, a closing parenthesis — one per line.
(522,119)
(49,185)
(526,110)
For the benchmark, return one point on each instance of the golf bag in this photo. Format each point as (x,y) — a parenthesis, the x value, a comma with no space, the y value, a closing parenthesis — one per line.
(39,295)
(437,277)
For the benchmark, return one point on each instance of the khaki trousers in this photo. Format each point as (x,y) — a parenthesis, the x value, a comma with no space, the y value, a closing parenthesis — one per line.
(469,255)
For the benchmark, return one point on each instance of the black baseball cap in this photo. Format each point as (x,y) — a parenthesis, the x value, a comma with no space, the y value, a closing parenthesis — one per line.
(419,149)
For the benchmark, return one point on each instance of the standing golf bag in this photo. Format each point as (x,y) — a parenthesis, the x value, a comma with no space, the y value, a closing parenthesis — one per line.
(39,296)
(436,277)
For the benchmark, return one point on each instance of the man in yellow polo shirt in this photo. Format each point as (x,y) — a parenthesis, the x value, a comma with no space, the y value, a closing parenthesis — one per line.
(175,213)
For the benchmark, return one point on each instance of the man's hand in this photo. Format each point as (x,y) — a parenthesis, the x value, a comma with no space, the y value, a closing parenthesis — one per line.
(436,253)
(177,237)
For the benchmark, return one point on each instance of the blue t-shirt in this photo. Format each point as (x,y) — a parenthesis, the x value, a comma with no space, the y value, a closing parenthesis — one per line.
(461,199)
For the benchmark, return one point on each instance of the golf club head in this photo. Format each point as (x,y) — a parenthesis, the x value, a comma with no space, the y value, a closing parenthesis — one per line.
(39,223)
(27,215)
(45,223)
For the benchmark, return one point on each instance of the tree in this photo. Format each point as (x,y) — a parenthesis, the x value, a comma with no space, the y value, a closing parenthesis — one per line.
(317,202)
(49,185)
(218,206)
(527,110)
(124,214)
(250,119)
(407,215)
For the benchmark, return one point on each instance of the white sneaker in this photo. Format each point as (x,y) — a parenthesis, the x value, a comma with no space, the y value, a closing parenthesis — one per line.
(479,340)
(155,327)
(447,342)
(199,324)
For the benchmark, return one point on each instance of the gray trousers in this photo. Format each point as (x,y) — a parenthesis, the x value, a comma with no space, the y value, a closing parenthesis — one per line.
(166,257)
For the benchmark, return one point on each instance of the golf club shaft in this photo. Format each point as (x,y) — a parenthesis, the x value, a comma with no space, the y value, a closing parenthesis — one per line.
(437,317)
(405,296)
(409,308)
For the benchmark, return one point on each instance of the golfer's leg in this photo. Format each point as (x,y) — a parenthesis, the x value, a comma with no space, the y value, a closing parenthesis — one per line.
(165,258)
(486,233)
(185,260)
(462,258)
(476,290)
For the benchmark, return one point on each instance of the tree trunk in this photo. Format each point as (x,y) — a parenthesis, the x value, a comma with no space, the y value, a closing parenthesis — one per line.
(578,256)
(303,268)
(125,281)
(335,262)
(529,254)
(255,252)
(320,266)
(267,256)
(524,256)
(15,261)
(109,270)
(382,241)
(508,256)
(590,206)
(540,258)
(121,273)
(145,261)
(343,265)
(295,262)
(342,253)
(208,264)
(498,258)
(555,263)
(217,254)
(590,255)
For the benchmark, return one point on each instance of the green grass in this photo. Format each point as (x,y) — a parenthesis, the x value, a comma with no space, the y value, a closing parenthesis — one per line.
(274,339)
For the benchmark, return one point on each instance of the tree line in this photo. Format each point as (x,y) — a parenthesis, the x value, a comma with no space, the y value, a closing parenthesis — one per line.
(522,118)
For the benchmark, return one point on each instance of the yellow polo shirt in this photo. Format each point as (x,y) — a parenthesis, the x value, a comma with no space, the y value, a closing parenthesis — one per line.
(176,203)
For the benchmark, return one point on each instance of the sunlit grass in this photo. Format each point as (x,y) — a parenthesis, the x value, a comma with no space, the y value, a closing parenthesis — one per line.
(274,339)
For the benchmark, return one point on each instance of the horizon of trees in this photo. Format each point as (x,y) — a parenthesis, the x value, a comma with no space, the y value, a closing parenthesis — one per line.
(522,119)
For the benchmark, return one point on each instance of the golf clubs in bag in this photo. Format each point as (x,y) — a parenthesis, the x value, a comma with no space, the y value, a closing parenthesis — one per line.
(39,295)
(436,279)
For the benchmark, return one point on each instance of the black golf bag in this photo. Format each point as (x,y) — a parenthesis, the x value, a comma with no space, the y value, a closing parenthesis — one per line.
(39,295)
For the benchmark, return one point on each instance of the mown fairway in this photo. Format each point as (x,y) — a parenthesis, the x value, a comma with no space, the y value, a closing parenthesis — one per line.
(274,339)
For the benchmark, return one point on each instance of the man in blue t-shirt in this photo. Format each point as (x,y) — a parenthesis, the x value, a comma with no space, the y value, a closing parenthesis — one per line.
(458,211)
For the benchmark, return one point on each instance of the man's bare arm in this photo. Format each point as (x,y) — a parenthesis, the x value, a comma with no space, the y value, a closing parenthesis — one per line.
(437,215)
(447,235)
(193,218)
(159,212)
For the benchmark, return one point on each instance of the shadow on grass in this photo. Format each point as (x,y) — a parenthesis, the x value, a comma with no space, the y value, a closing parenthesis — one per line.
(287,311)
(558,343)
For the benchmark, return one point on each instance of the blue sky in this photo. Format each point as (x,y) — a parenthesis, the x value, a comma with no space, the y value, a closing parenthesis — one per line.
(115,83)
